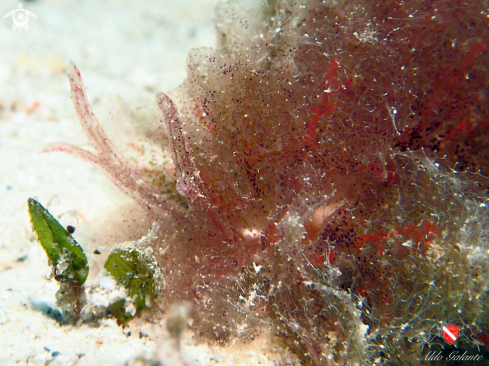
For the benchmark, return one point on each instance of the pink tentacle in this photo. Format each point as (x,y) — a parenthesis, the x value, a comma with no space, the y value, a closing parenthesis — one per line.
(73,150)
(189,184)
(124,176)
(89,122)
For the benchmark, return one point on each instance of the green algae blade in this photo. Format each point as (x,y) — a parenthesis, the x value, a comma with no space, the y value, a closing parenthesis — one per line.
(138,271)
(64,253)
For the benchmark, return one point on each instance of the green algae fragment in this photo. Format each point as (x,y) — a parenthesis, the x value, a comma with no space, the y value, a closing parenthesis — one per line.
(138,271)
(118,310)
(65,254)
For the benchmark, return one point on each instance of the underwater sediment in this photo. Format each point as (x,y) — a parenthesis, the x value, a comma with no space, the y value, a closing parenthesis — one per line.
(321,176)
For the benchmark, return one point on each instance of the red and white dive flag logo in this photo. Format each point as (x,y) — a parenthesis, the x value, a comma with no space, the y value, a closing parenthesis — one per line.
(450,333)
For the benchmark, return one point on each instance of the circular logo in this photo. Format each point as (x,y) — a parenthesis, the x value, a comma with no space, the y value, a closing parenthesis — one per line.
(20,18)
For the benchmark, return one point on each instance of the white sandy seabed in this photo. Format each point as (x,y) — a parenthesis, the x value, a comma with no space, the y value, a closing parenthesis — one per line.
(129,49)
